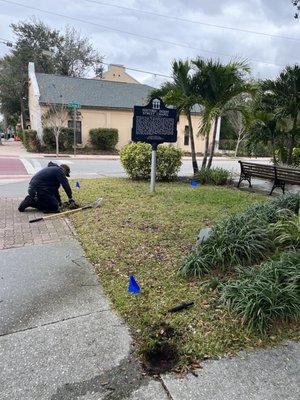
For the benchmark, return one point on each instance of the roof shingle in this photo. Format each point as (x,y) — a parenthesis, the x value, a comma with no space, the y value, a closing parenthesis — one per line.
(91,92)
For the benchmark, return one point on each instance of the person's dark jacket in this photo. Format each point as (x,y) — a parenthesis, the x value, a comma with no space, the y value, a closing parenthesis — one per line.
(48,181)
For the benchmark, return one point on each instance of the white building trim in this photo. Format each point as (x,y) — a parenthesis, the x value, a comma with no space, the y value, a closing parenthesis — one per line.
(35,111)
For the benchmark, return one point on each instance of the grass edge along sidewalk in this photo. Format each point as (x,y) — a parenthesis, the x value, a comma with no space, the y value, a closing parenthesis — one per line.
(148,236)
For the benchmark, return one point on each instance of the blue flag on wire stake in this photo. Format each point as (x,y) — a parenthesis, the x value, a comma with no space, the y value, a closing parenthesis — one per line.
(133,286)
(77,185)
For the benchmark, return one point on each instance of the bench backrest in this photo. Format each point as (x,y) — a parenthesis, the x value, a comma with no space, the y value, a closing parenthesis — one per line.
(258,170)
(286,174)
(289,175)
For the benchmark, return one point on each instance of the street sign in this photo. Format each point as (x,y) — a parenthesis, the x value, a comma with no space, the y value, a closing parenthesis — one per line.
(74,104)
(154,123)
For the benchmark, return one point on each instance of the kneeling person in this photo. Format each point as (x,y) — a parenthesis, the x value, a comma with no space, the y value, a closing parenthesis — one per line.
(43,189)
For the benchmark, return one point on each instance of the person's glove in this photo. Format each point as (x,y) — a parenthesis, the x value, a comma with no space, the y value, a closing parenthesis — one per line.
(72,204)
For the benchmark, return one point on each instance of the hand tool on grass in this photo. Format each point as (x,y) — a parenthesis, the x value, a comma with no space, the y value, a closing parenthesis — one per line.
(181,306)
(96,204)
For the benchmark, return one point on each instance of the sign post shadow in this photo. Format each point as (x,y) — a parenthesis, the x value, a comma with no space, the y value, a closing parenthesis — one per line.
(154,124)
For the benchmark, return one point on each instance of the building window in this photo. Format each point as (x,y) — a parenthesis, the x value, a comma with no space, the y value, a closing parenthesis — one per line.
(186,136)
(78,130)
(156,104)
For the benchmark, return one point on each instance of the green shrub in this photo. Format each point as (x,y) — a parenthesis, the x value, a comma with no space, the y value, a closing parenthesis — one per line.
(104,138)
(31,141)
(65,140)
(233,241)
(242,239)
(286,232)
(262,295)
(136,160)
(212,176)
(296,156)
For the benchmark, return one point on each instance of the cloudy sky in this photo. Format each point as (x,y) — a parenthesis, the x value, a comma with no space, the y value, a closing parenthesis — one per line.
(173,36)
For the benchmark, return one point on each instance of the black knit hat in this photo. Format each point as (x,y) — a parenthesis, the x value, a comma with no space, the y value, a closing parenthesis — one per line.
(66,169)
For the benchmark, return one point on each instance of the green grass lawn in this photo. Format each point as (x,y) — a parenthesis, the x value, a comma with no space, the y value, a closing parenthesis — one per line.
(135,232)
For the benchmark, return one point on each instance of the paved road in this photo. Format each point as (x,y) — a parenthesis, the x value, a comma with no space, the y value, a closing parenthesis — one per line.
(94,168)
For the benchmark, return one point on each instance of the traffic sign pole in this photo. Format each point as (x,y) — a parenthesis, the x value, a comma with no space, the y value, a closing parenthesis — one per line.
(74,127)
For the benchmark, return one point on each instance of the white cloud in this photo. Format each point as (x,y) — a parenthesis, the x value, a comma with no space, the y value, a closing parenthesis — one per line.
(273,17)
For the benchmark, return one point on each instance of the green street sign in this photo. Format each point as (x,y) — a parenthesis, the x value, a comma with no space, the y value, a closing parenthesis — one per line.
(74,104)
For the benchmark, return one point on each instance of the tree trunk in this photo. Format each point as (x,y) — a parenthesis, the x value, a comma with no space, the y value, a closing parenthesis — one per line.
(23,116)
(193,150)
(57,144)
(213,143)
(205,155)
(239,141)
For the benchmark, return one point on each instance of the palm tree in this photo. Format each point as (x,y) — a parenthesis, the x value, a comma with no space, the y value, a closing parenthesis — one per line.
(217,85)
(181,94)
(264,125)
(286,103)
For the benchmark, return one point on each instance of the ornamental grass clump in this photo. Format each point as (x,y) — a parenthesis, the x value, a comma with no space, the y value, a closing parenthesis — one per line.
(242,239)
(260,296)
(238,240)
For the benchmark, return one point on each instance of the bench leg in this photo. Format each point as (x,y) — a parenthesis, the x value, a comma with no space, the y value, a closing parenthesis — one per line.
(245,178)
(276,185)
(272,190)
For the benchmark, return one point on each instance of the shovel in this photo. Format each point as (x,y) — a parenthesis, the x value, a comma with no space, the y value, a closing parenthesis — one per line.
(96,204)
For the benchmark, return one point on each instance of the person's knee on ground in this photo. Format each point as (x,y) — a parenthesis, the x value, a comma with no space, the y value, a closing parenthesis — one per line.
(49,204)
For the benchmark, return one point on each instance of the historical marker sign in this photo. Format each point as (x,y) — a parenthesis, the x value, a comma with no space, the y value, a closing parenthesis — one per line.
(154,123)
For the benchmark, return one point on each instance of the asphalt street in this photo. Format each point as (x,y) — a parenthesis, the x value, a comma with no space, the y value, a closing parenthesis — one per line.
(95,168)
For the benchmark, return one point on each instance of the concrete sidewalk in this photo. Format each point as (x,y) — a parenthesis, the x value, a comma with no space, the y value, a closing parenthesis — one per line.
(59,338)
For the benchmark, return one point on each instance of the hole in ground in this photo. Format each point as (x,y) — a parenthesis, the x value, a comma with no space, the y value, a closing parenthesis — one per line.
(161,357)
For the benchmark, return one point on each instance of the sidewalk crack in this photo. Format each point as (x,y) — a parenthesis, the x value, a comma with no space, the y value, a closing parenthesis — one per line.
(165,388)
(54,322)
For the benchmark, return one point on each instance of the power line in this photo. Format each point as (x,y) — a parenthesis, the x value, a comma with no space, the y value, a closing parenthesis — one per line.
(135,34)
(144,72)
(125,66)
(192,21)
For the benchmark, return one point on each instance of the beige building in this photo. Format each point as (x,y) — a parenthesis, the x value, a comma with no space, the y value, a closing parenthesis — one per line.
(104,103)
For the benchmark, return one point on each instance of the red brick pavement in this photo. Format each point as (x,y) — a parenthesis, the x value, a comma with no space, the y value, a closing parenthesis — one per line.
(16,231)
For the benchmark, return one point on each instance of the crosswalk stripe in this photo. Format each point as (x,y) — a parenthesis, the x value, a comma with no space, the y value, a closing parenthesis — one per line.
(29,167)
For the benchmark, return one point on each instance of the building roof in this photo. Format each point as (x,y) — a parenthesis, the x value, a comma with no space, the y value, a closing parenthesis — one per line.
(91,92)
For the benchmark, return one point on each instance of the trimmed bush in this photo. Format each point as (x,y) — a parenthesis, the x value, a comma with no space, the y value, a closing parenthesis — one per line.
(242,239)
(65,140)
(31,141)
(136,160)
(212,176)
(104,138)
(262,295)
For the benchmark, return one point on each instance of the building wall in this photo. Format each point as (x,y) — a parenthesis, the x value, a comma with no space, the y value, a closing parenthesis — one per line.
(117,73)
(35,112)
(122,120)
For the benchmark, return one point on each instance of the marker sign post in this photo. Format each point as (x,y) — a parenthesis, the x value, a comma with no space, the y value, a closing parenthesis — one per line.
(74,106)
(154,124)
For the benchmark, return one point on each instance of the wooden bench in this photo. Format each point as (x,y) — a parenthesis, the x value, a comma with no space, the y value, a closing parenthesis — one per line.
(278,175)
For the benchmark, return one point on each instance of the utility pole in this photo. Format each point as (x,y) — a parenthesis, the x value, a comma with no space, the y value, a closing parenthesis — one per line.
(74,106)
(74,127)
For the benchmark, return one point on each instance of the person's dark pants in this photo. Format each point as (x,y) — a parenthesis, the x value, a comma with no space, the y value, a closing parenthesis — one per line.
(43,201)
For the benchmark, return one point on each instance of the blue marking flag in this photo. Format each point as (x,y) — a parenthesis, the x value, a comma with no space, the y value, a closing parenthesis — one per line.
(133,286)
(195,183)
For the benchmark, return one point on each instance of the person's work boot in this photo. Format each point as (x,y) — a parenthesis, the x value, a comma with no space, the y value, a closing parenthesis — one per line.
(27,202)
